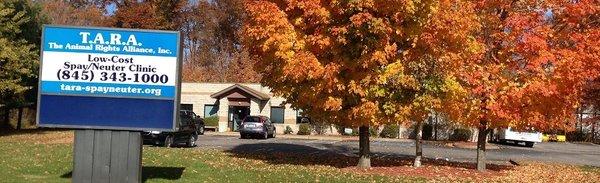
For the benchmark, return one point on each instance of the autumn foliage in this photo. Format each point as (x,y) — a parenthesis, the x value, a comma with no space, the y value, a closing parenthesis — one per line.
(536,59)
(535,64)
(363,63)
(210,30)
(322,57)
(486,64)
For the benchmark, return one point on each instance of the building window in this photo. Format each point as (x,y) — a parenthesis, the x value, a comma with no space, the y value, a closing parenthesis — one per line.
(187,107)
(210,110)
(277,114)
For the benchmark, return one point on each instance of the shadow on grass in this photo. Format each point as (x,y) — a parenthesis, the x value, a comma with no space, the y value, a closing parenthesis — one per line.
(151,172)
(335,156)
(167,173)
(9,132)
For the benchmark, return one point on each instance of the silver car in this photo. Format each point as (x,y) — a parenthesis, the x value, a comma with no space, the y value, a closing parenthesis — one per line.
(257,126)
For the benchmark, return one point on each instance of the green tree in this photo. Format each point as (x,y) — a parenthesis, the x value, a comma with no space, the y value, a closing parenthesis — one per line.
(20,27)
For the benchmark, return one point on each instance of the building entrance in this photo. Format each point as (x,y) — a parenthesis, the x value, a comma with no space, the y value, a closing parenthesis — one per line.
(236,115)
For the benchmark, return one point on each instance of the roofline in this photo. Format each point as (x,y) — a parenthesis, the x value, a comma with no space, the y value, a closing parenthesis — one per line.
(246,89)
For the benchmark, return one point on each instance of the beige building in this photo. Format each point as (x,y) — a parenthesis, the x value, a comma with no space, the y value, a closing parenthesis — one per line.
(231,102)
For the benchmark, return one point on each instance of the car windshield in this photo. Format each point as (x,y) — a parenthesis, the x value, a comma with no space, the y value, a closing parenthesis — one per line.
(252,119)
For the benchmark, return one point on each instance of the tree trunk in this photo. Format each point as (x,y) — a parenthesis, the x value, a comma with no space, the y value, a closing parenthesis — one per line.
(20,118)
(481,136)
(593,132)
(594,129)
(6,119)
(399,131)
(330,129)
(418,146)
(365,152)
(435,127)
(581,121)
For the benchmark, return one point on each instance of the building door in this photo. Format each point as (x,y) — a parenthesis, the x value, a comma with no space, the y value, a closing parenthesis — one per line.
(236,115)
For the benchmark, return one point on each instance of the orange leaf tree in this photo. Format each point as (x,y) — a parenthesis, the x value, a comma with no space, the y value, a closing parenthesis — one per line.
(325,56)
(433,39)
(537,57)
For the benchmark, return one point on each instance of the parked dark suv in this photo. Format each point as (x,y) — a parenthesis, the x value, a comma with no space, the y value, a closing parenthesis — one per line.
(190,126)
(260,126)
(197,119)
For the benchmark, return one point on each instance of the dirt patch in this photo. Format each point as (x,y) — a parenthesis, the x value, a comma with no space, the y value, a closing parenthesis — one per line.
(429,172)
(66,140)
(34,177)
(39,136)
(528,172)
(547,172)
(65,137)
(437,169)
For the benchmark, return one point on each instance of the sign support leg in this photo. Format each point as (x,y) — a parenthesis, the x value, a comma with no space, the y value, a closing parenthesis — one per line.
(107,156)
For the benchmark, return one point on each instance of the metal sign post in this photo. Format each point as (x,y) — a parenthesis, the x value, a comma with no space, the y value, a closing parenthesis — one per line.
(109,84)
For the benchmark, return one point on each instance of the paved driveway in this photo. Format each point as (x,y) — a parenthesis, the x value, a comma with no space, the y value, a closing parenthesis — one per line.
(569,153)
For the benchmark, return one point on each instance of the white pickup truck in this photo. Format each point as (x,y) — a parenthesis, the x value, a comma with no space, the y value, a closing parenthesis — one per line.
(509,135)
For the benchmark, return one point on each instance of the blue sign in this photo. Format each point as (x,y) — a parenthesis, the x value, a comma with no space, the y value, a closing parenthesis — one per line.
(107,78)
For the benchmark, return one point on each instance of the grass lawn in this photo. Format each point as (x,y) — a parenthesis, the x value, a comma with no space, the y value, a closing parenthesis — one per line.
(47,157)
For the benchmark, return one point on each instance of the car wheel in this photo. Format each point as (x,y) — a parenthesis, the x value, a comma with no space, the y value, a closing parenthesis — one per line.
(169,141)
(242,136)
(192,140)
(201,130)
(273,134)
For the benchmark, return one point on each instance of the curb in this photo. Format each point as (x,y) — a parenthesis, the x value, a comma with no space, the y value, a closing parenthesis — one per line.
(313,137)
(463,145)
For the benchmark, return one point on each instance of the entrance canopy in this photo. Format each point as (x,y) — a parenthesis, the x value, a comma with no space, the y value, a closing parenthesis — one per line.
(238,91)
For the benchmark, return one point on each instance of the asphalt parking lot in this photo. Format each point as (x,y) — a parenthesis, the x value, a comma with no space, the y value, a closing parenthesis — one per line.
(568,153)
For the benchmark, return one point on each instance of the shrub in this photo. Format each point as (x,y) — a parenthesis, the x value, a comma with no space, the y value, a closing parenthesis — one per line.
(288,130)
(339,129)
(354,132)
(390,131)
(575,136)
(427,131)
(319,127)
(304,129)
(373,131)
(342,130)
(461,134)
(211,121)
